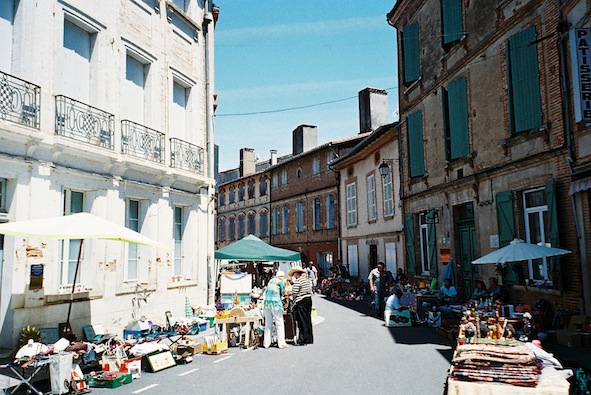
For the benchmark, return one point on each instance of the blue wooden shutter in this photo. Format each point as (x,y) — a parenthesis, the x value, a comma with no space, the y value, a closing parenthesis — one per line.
(506,226)
(458,119)
(409,240)
(410,52)
(556,270)
(452,20)
(432,243)
(526,107)
(416,154)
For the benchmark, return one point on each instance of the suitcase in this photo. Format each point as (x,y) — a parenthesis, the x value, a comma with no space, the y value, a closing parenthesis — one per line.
(290,327)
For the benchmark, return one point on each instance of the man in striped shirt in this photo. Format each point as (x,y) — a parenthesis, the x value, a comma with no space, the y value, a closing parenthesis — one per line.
(302,297)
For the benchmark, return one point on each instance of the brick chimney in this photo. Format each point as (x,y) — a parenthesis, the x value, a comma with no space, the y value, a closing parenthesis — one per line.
(273,157)
(247,161)
(373,109)
(304,139)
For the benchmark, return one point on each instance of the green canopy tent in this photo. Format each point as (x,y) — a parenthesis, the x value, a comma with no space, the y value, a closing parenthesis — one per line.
(251,248)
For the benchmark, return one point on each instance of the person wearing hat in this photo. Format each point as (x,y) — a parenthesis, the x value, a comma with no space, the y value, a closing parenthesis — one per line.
(302,297)
(273,310)
(312,275)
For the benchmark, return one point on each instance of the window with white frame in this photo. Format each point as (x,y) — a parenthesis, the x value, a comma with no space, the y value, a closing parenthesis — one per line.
(285,220)
(372,210)
(182,4)
(424,240)
(73,203)
(284,177)
(275,221)
(388,195)
(316,165)
(300,217)
(351,204)
(330,209)
(391,255)
(75,70)
(133,223)
(275,180)
(536,230)
(178,231)
(317,213)
(178,110)
(7,10)
(3,204)
(136,73)
(353,259)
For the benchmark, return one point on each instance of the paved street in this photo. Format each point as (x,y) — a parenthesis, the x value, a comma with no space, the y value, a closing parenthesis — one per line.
(353,353)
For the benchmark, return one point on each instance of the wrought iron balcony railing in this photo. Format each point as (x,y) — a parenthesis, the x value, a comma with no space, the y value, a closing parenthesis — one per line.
(81,122)
(184,155)
(142,142)
(20,101)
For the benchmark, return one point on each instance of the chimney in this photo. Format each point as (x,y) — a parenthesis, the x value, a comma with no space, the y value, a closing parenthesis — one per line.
(247,163)
(373,109)
(273,157)
(304,139)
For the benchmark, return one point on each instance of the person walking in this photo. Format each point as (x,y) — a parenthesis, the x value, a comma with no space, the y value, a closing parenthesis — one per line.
(378,279)
(273,310)
(302,297)
(312,275)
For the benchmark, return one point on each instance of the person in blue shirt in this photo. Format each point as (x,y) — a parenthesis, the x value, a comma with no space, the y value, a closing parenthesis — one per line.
(449,294)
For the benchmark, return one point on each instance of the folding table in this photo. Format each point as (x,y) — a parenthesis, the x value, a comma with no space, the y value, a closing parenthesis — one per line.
(26,373)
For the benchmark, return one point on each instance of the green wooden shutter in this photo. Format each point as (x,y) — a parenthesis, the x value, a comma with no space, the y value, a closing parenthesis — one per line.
(458,119)
(452,20)
(526,109)
(507,230)
(409,240)
(416,154)
(432,243)
(444,102)
(410,52)
(550,191)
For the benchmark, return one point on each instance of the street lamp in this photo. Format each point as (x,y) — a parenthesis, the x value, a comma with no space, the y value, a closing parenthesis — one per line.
(384,167)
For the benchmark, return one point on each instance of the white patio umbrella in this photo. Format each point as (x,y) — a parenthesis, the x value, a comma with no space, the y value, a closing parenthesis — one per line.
(76,226)
(519,250)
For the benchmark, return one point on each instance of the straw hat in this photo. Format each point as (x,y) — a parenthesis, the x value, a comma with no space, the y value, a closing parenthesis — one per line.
(295,270)
(280,274)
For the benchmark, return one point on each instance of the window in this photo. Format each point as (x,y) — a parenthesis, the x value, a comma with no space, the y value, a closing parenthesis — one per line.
(316,207)
(536,230)
(182,4)
(423,241)
(222,229)
(222,197)
(451,21)
(263,223)
(300,217)
(330,209)
(133,223)
(7,9)
(410,52)
(275,221)
(251,189)
(353,259)
(316,165)
(275,180)
(232,228)
(178,231)
(299,172)
(240,226)
(232,195)
(240,192)
(455,114)
(523,82)
(3,204)
(329,158)
(73,203)
(250,223)
(351,204)
(416,154)
(428,243)
(263,186)
(178,111)
(285,220)
(372,209)
(135,82)
(391,255)
(388,195)
(284,177)
(74,77)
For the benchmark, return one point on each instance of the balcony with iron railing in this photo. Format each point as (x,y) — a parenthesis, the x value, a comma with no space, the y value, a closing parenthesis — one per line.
(187,156)
(142,142)
(20,101)
(82,122)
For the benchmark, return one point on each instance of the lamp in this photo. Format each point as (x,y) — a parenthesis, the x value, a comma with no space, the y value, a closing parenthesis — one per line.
(384,167)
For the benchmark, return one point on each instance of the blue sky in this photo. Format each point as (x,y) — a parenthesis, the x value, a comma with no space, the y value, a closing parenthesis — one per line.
(278,54)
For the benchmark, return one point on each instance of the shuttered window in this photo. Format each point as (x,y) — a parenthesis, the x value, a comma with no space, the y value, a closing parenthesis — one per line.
(409,239)
(506,225)
(523,82)
(455,108)
(554,267)
(410,52)
(431,242)
(451,21)
(416,155)
(263,223)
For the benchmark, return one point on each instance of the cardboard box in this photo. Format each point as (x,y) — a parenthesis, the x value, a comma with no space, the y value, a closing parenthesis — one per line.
(191,349)
(217,348)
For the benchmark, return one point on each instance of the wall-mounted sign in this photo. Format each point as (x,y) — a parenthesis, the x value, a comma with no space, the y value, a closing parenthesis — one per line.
(580,53)
(36,279)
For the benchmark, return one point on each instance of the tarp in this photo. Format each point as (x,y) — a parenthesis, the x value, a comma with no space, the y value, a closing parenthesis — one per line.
(251,248)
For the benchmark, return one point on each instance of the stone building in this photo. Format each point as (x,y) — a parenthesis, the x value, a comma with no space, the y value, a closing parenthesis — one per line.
(105,107)
(485,142)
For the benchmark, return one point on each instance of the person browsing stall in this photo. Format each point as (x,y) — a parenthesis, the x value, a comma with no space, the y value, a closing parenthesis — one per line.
(449,294)
(480,292)
(302,297)
(495,291)
(273,310)
(378,279)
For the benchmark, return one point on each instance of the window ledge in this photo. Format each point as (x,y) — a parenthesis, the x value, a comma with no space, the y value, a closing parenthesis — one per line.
(527,135)
(65,298)
(187,284)
(545,291)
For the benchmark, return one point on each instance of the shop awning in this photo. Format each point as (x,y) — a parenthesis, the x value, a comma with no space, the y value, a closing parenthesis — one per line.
(251,248)
(580,185)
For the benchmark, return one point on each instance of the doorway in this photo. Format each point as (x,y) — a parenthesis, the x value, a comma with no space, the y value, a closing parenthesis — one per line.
(464,215)
(373,256)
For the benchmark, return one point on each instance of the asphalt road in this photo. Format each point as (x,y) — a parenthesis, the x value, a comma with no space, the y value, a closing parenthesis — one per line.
(353,353)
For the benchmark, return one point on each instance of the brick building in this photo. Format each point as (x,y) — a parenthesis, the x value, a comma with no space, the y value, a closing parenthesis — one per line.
(485,153)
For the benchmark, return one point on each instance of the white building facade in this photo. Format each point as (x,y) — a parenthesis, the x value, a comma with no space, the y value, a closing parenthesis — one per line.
(106,107)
